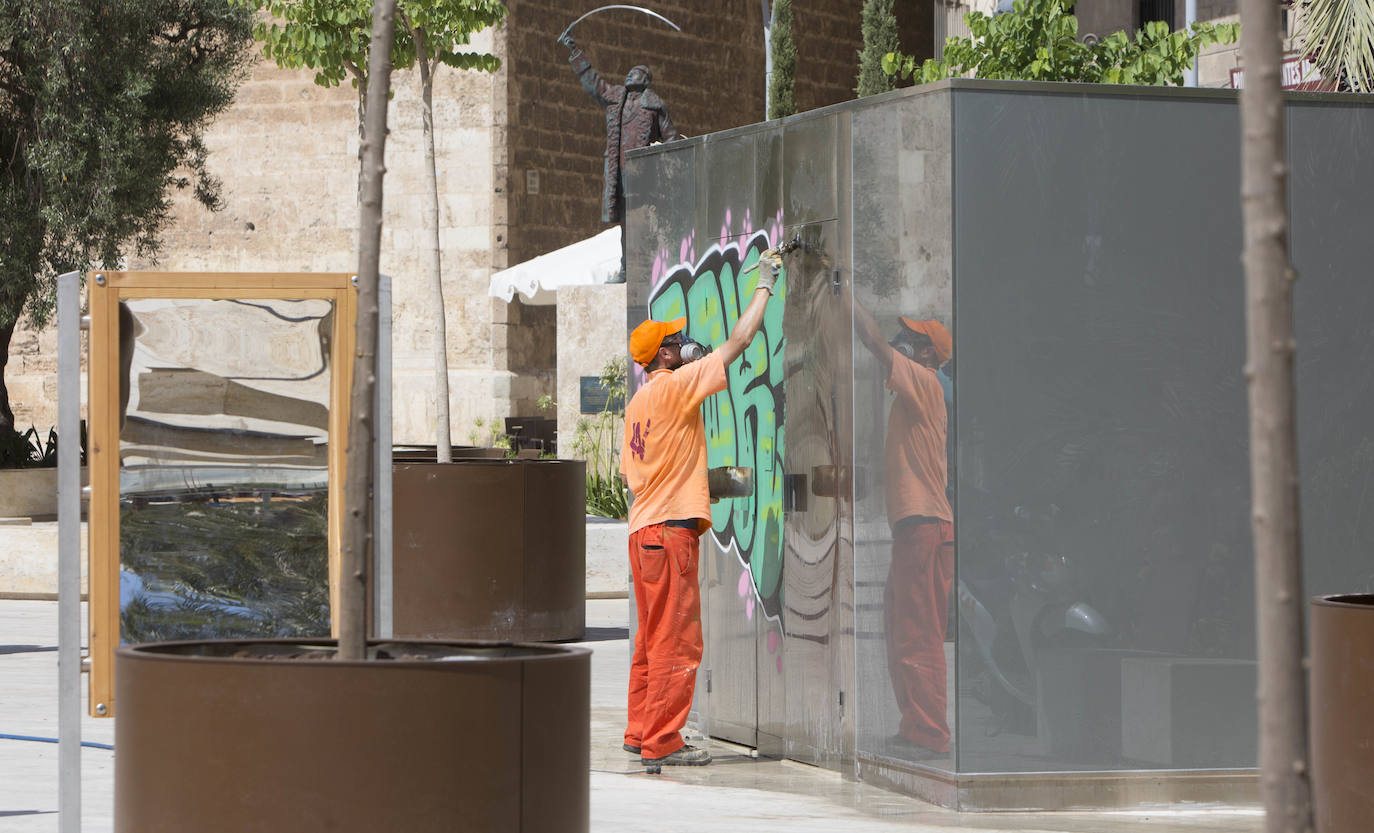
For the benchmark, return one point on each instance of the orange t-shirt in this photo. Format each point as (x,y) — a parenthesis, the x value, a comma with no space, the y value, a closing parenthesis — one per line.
(916,431)
(664,455)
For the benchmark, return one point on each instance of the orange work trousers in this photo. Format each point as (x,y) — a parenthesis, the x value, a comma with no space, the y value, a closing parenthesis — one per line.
(915,606)
(668,644)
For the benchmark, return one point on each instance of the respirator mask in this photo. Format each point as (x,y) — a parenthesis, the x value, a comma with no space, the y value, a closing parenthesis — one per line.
(692,351)
(906,346)
(689,350)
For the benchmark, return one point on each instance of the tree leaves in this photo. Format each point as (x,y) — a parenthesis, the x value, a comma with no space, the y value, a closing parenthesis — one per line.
(879,37)
(781,86)
(102,107)
(1038,41)
(1339,35)
(331,36)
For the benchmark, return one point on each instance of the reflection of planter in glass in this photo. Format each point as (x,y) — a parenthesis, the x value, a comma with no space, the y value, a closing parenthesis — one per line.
(1342,731)
(237,735)
(490,549)
(220,566)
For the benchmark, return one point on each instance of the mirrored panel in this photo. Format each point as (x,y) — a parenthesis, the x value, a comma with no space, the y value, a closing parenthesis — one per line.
(903,391)
(223,469)
(1103,466)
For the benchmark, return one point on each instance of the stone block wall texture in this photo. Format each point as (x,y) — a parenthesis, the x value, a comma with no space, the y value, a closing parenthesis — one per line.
(287,154)
(828,36)
(591,332)
(711,75)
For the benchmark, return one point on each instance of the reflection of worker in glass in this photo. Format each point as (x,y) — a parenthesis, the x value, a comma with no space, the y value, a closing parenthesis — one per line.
(916,599)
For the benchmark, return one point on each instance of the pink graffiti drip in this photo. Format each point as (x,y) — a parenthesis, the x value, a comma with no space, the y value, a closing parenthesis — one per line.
(749,609)
(774,641)
(774,228)
(658,269)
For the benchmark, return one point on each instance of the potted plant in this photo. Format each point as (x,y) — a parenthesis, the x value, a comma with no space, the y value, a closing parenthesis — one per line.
(353,734)
(28,472)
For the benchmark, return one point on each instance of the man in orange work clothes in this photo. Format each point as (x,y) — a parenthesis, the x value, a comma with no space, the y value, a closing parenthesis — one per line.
(916,598)
(664,463)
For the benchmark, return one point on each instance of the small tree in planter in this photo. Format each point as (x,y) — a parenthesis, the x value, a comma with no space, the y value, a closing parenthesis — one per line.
(370,736)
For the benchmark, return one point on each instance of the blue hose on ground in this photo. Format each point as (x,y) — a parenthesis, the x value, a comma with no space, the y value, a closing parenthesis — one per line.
(37,739)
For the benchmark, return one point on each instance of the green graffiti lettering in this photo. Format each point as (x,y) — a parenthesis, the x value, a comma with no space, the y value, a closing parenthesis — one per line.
(744,425)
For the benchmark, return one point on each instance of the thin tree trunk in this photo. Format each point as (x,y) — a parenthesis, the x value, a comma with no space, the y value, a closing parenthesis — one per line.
(357,527)
(1284,761)
(362,136)
(443,439)
(6,415)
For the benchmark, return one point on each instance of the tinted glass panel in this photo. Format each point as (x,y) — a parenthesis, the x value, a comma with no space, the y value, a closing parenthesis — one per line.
(1103,464)
(1332,177)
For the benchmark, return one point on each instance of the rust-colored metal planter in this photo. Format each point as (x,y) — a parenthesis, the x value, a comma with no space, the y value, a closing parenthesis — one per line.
(490,549)
(1342,725)
(212,736)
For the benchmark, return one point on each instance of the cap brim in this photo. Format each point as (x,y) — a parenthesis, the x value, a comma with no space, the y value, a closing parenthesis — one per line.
(674,326)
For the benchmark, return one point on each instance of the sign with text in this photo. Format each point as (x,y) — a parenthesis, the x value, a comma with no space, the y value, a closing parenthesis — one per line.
(1299,73)
(594,398)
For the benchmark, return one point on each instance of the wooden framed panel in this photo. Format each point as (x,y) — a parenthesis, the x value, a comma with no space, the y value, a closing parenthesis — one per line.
(110,362)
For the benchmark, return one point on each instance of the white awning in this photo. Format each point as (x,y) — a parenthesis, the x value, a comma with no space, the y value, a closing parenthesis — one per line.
(595,260)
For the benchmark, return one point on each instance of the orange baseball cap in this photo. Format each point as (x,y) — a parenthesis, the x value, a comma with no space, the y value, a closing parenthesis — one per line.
(937,333)
(647,337)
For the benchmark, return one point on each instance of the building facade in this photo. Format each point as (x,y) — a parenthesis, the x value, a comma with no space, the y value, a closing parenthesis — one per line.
(519,157)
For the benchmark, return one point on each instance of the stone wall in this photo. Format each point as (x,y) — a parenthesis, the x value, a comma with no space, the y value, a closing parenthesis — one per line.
(710,75)
(31,376)
(287,154)
(828,36)
(591,332)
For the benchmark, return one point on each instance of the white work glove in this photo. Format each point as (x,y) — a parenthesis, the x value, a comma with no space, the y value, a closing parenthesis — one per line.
(770,263)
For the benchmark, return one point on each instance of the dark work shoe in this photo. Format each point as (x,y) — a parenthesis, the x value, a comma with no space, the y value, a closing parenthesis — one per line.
(686,756)
(633,750)
(911,750)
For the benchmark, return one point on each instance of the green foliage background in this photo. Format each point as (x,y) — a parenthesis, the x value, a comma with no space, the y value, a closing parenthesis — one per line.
(332,37)
(103,107)
(780,87)
(1339,35)
(880,38)
(1038,41)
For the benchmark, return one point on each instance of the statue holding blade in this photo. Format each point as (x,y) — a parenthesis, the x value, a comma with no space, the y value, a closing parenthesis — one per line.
(635,115)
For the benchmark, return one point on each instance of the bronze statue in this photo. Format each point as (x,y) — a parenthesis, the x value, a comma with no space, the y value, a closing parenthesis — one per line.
(635,117)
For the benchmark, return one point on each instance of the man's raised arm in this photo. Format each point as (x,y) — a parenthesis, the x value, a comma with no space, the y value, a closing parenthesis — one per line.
(752,318)
(582,67)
